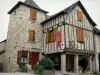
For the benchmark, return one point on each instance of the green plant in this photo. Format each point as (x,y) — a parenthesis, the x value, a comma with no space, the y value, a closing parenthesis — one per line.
(80,69)
(47,64)
(38,69)
(22,67)
(44,64)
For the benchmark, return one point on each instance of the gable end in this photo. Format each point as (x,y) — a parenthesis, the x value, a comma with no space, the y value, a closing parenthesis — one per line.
(69,9)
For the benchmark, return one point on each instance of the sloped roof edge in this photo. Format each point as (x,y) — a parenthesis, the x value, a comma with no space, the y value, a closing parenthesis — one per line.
(68,9)
(3,41)
(32,3)
(96,30)
(1,52)
(19,3)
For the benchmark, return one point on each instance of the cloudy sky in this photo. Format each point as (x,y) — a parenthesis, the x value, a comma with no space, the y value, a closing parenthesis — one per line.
(53,6)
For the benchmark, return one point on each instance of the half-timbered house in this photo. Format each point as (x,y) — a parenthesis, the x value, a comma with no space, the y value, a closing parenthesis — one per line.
(68,38)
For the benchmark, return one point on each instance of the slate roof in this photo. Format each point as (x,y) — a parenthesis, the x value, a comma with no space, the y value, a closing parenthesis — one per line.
(3,41)
(32,3)
(29,3)
(1,52)
(96,30)
(47,16)
(67,10)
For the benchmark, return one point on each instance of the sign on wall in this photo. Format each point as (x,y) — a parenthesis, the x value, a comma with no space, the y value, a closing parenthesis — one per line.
(62,45)
(58,39)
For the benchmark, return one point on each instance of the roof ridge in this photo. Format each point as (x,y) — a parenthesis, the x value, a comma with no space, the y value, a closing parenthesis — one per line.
(64,10)
(96,30)
(29,4)
(73,5)
(32,3)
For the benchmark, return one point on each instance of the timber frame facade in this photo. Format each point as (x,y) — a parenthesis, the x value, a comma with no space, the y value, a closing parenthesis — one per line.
(77,35)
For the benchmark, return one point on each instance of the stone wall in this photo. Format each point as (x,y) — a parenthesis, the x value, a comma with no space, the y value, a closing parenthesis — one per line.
(18,36)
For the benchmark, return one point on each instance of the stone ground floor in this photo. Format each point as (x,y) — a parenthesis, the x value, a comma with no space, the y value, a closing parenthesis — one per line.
(29,57)
(17,73)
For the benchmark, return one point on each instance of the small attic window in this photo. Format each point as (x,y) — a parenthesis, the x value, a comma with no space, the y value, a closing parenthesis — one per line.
(79,15)
(15,12)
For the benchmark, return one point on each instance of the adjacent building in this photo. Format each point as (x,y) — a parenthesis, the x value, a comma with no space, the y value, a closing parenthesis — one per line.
(2,54)
(97,49)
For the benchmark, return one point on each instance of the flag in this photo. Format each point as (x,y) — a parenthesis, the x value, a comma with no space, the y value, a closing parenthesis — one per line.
(58,39)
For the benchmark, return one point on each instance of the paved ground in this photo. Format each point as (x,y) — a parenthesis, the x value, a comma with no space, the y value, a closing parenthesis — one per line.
(16,74)
(56,73)
(19,73)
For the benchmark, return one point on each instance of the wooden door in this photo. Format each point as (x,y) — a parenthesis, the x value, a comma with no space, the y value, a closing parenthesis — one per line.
(35,58)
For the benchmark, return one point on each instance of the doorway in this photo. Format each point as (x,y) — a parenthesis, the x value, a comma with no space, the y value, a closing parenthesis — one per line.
(35,58)
(69,63)
(83,63)
(56,58)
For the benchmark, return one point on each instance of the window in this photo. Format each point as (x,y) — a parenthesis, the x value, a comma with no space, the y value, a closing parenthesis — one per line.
(51,36)
(80,37)
(31,35)
(79,16)
(22,56)
(33,14)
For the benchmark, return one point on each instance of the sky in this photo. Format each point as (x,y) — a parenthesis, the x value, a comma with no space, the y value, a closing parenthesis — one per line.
(52,6)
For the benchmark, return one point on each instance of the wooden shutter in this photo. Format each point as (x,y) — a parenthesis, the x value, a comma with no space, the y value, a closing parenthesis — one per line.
(79,16)
(30,57)
(80,37)
(47,37)
(54,34)
(19,56)
(31,35)
(33,14)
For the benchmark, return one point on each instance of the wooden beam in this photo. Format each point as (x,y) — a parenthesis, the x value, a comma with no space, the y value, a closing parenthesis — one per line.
(69,25)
